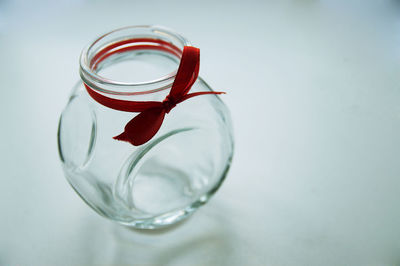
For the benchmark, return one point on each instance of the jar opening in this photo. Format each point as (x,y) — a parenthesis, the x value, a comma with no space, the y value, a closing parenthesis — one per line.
(129,43)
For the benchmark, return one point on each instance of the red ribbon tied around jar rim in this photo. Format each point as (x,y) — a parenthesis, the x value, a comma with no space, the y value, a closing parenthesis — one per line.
(146,124)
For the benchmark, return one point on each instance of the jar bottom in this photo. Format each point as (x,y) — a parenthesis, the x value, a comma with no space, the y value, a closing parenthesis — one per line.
(155,191)
(167,219)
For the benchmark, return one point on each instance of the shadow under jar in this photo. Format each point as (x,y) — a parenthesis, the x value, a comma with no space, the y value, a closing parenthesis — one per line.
(166,179)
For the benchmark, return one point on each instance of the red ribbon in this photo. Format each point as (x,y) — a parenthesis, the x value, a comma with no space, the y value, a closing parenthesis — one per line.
(145,125)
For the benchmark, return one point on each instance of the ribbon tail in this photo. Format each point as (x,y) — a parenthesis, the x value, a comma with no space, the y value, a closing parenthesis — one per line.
(142,127)
(194,94)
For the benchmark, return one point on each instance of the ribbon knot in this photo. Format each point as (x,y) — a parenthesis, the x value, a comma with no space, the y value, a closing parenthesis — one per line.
(169,103)
(146,124)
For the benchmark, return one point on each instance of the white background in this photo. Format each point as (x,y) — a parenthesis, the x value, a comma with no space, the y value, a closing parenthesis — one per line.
(314,91)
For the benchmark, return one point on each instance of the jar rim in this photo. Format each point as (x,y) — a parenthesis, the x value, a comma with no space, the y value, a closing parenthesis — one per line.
(99,82)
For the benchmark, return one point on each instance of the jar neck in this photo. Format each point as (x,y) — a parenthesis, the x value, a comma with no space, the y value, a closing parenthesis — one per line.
(152,44)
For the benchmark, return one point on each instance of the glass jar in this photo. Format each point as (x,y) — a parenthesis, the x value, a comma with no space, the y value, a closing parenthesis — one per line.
(165,179)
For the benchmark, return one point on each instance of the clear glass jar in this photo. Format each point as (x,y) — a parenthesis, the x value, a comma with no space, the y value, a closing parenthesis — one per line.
(169,177)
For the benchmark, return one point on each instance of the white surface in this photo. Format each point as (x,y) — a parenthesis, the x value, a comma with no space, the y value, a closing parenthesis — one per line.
(313,87)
